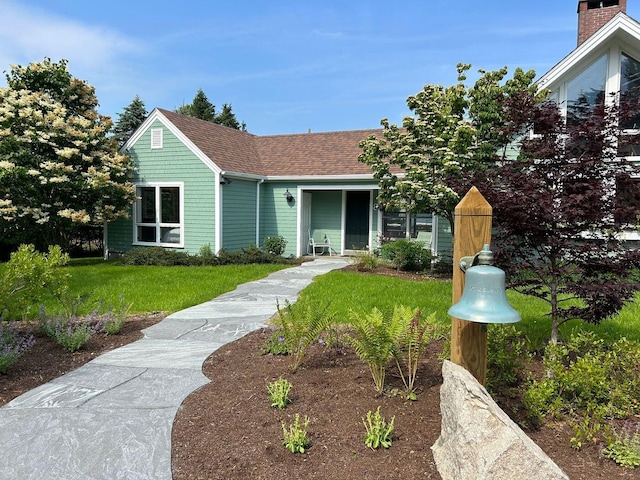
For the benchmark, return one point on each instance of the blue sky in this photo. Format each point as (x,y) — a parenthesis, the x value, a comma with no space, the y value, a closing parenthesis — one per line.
(285,66)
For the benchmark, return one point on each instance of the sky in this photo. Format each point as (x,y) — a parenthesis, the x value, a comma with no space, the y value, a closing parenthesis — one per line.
(285,66)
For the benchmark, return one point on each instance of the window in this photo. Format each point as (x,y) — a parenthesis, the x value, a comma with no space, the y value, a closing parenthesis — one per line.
(586,92)
(158,215)
(156,138)
(629,93)
(405,225)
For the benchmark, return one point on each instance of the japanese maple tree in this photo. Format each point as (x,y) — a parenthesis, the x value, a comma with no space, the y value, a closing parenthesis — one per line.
(560,209)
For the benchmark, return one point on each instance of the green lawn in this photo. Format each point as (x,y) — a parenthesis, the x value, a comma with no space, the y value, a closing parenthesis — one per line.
(173,288)
(351,291)
(158,288)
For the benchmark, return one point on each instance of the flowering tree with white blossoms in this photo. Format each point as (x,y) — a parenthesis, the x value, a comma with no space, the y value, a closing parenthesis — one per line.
(429,163)
(59,169)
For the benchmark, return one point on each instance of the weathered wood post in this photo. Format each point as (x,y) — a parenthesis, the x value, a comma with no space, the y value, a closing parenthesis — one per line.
(472,230)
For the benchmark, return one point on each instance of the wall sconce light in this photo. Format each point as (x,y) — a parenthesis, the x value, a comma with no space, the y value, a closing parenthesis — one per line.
(288,196)
(484,299)
(225,181)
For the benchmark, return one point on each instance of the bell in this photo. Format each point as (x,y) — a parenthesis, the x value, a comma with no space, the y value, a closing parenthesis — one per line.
(484,299)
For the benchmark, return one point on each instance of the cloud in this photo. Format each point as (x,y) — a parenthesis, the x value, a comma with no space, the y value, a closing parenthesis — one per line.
(29,34)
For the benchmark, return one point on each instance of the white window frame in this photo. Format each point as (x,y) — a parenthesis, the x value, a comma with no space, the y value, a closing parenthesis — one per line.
(157,140)
(157,224)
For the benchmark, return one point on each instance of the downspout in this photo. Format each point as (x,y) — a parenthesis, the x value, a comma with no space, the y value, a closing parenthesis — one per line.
(258,211)
(105,242)
(218,214)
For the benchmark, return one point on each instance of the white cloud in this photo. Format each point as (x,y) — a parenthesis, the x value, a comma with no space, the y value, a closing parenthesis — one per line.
(29,34)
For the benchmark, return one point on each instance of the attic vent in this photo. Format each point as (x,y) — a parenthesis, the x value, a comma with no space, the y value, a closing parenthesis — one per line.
(156,138)
(602,4)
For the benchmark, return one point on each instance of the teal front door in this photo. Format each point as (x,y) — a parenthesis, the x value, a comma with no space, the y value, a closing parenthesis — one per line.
(357,220)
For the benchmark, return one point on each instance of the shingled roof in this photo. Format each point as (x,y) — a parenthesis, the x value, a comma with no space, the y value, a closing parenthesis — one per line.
(329,153)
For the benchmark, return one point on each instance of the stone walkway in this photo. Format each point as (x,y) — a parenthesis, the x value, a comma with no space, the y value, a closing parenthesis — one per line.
(112,418)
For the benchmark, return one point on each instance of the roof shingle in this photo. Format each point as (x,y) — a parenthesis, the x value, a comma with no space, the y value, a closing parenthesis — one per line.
(328,153)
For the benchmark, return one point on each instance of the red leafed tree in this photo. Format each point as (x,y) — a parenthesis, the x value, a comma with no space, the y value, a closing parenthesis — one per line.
(560,208)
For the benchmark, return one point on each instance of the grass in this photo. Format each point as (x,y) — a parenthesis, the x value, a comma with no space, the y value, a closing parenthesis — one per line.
(171,289)
(151,289)
(350,291)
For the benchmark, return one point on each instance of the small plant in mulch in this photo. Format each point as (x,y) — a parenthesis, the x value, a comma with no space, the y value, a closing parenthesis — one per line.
(379,431)
(295,436)
(279,393)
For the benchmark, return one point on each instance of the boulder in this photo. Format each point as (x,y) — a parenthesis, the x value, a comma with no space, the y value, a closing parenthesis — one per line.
(478,441)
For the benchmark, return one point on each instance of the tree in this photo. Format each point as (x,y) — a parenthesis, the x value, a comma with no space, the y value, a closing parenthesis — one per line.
(227,118)
(59,169)
(559,212)
(203,109)
(129,120)
(427,165)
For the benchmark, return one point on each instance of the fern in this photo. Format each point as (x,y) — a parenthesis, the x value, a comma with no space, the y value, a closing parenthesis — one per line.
(417,334)
(376,340)
(302,324)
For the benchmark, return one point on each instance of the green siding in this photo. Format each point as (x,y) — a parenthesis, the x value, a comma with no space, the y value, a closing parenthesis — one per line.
(238,214)
(326,217)
(172,163)
(277,216)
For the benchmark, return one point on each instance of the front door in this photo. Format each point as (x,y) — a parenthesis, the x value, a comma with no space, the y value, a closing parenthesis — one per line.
(357,220)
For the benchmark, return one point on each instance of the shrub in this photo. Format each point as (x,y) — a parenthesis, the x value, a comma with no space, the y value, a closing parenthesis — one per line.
(506,357)
(407,255)
(275,245)
(301,324)
(12,345)
(157,256)
(28,278)
(365,261)
(379,432)
(587,376)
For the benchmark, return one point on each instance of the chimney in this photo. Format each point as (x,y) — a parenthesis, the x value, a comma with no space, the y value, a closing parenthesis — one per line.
(592,15)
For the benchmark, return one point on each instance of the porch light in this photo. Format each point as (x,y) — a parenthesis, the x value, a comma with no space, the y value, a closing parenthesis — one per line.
(288,196)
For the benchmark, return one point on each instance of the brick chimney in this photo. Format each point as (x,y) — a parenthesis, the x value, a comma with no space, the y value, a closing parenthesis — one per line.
(594,14)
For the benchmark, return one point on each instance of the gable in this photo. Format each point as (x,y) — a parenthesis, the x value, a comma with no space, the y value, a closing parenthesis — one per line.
(621,32)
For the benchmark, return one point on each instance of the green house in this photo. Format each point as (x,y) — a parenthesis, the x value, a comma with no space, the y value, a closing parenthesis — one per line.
(204,184)
(200,184)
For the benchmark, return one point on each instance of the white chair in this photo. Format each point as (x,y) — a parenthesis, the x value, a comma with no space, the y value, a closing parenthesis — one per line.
(313,245)
(425,237)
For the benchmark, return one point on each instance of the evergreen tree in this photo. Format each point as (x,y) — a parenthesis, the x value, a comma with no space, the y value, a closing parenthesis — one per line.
(203,109)
(129,120)
(227,118)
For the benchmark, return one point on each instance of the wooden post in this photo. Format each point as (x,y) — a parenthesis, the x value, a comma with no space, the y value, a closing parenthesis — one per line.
(472,230)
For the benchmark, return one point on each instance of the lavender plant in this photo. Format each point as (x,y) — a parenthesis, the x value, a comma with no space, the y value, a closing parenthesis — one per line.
(72,332)
(12,345)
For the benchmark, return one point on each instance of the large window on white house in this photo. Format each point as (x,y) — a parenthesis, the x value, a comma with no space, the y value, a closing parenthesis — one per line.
(158,215)
(586,91)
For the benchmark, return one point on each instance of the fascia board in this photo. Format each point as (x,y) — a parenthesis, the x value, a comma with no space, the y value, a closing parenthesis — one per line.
(620,25)
(156,115)
(317,178)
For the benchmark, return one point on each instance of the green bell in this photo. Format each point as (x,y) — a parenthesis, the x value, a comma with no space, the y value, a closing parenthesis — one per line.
(484,299)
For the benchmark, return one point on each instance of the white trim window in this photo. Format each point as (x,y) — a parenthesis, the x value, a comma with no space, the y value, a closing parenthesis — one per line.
(158,215)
